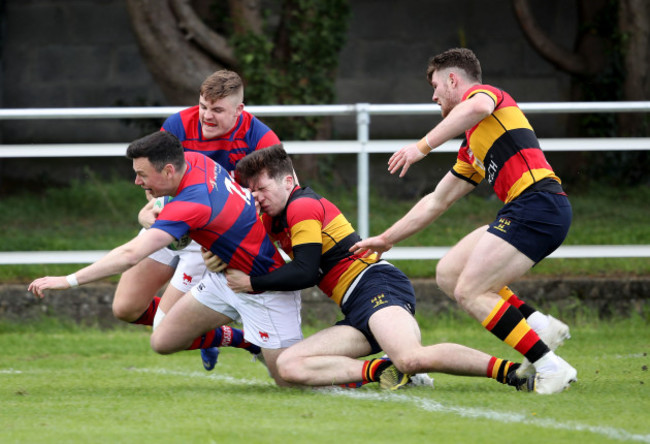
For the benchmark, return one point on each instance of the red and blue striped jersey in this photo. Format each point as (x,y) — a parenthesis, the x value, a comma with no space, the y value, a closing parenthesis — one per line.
(248,134)
(502,148)
(219,215)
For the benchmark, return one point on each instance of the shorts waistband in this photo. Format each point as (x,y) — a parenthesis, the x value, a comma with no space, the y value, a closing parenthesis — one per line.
(547,185)
(358,278)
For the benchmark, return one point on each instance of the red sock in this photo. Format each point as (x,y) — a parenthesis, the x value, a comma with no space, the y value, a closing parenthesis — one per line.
(147,317)
(207,340)
(224,336)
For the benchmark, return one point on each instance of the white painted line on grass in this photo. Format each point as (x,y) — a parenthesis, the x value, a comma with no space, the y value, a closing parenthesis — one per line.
(430,405)
(214,376)
(506,417)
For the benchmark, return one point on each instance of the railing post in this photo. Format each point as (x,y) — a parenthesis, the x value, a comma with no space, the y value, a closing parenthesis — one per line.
(363,125)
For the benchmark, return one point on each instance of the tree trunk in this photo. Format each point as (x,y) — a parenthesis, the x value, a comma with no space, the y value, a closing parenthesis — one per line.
(634,23)
(174,55)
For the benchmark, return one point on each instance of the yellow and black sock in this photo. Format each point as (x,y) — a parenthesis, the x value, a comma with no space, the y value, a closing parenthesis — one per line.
(508,324)
(511,298)
(372,369)
(499,368)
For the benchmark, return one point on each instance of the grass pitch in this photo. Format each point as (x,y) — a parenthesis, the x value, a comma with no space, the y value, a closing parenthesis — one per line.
(102,215)
(63,383)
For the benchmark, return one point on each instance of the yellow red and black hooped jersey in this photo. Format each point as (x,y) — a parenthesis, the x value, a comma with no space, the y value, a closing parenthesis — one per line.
(317,237)
(502,148)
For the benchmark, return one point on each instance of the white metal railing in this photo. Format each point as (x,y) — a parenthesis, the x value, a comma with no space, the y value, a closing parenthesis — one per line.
(362,147)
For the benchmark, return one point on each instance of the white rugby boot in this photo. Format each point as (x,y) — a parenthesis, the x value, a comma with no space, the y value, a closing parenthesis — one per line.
(553,375)
(553,335)
(420,380)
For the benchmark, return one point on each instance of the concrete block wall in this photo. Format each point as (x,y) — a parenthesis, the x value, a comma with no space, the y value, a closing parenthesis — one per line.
(78,53)
(598,297)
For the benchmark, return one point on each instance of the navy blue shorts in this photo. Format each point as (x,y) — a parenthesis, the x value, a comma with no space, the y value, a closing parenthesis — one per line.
(535,223)
(381,286)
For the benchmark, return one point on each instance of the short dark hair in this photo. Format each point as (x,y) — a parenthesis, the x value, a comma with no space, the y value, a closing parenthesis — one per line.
(462,58)
(161,148)
(273,159)
(221,84)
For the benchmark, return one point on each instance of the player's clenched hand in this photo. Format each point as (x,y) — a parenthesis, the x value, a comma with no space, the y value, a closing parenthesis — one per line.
(238,281)
(148,214)
(212,261)
(404,158)
(371,245)
(48,283)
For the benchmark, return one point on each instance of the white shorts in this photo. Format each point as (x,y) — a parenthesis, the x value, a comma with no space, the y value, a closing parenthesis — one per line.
(189,264)
(271,319)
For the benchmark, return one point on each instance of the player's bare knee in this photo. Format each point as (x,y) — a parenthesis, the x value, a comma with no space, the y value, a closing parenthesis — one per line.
(125,312)
(408,364)
(463,297)
(446,279)
(159,345)
(288,369)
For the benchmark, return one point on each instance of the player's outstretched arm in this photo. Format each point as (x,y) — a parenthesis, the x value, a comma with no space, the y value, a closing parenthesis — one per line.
(49,283)
(116,261)
(460,119)
(428,209)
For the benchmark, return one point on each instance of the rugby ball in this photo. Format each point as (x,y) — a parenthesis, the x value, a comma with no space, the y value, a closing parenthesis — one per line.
(178,244)
(181,243)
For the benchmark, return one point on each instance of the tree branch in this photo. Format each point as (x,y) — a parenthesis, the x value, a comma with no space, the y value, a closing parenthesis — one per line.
(177,65)
(195,29)
(633,23)
(558,56)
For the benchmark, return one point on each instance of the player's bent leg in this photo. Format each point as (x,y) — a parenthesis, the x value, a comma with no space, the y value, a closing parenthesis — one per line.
(397,332)
(452,264)
(494,263)
(170,297)
(398,335)
(498,263)
(209,356)
(190,270)
(187,320)
(137,288)
(270,360)
(325,358)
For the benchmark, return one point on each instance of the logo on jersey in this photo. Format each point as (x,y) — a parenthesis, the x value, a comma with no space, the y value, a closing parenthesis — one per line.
(264,336)
(378,300)
(470,155)
(212,180)
(492,171)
